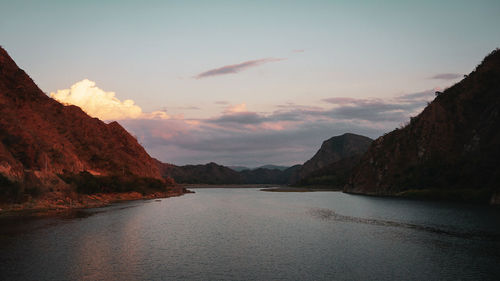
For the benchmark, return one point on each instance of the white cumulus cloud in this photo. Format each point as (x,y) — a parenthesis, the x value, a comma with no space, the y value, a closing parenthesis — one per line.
(101,104)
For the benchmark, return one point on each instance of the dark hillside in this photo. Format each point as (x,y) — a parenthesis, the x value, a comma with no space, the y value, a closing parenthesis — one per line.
(451,149)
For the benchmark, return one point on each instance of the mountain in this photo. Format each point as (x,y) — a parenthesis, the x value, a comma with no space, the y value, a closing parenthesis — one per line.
(273,167)
(450,150)
(332,150)
(270,176)
(210,173)
(334,175)
(213,173)
(43,141)
(268,167)
(238,168)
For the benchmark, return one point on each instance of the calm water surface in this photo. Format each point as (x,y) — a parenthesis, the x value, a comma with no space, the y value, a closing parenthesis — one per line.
(246,234)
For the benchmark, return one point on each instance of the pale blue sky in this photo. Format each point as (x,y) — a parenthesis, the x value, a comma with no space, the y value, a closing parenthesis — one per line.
(149,51)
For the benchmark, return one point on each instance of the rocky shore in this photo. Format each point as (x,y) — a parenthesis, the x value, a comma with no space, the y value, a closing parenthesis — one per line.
(59,202)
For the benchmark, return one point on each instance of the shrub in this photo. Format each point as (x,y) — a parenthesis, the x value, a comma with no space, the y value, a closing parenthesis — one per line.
(9,190)
(88,184)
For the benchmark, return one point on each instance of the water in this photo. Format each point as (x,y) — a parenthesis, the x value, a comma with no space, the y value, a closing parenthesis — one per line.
(246,234)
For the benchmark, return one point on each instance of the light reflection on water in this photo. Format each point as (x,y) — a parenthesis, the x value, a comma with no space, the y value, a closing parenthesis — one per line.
(245,234)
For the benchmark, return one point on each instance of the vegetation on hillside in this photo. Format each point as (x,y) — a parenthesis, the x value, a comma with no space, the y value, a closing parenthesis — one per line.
(86,183)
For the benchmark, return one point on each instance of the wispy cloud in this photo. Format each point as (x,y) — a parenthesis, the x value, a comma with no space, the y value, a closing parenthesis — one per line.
(239,118)
(236,108)
(235,68)
(298,51)
(446,76)
(188,107)
(379,110)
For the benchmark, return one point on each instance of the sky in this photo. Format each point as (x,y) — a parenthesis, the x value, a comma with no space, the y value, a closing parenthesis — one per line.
(248,82)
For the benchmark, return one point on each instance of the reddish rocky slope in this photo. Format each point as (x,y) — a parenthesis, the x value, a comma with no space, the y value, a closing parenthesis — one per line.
(41,138)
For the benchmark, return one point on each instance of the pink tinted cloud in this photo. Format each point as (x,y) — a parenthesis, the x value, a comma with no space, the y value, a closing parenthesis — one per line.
(235,68)
(290,135)
(342,100)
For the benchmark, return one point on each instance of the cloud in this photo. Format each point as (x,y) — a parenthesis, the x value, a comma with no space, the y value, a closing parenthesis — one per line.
(419,96)
(239,118)
(289,135)
(342,100)
(159,114)
(188,107)
(235,68)
(101,104)
(382,110)
(298,51)
(236,109)
(170,141)
(446,76)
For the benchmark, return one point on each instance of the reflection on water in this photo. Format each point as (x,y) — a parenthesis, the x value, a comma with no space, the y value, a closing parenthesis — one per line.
(244,234)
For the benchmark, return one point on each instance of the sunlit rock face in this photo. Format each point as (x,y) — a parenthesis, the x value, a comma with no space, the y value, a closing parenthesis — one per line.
(41,137)
(453,144)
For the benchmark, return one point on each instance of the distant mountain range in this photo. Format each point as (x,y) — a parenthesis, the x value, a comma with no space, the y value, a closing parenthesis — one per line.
(239,168)
(210,173)
(213,173)
(348,146)
(269,167)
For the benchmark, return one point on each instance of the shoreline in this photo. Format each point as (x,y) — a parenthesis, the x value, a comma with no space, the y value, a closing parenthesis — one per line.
(433,195)
(206,185)
(300,189)
(56,202)
(265,187)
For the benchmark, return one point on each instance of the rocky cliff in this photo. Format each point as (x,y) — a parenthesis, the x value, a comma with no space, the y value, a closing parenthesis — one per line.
(332,150)
(454,144)
(41,138)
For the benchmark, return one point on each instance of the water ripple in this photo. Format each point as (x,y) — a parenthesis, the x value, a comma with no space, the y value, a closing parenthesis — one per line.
(327,215)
